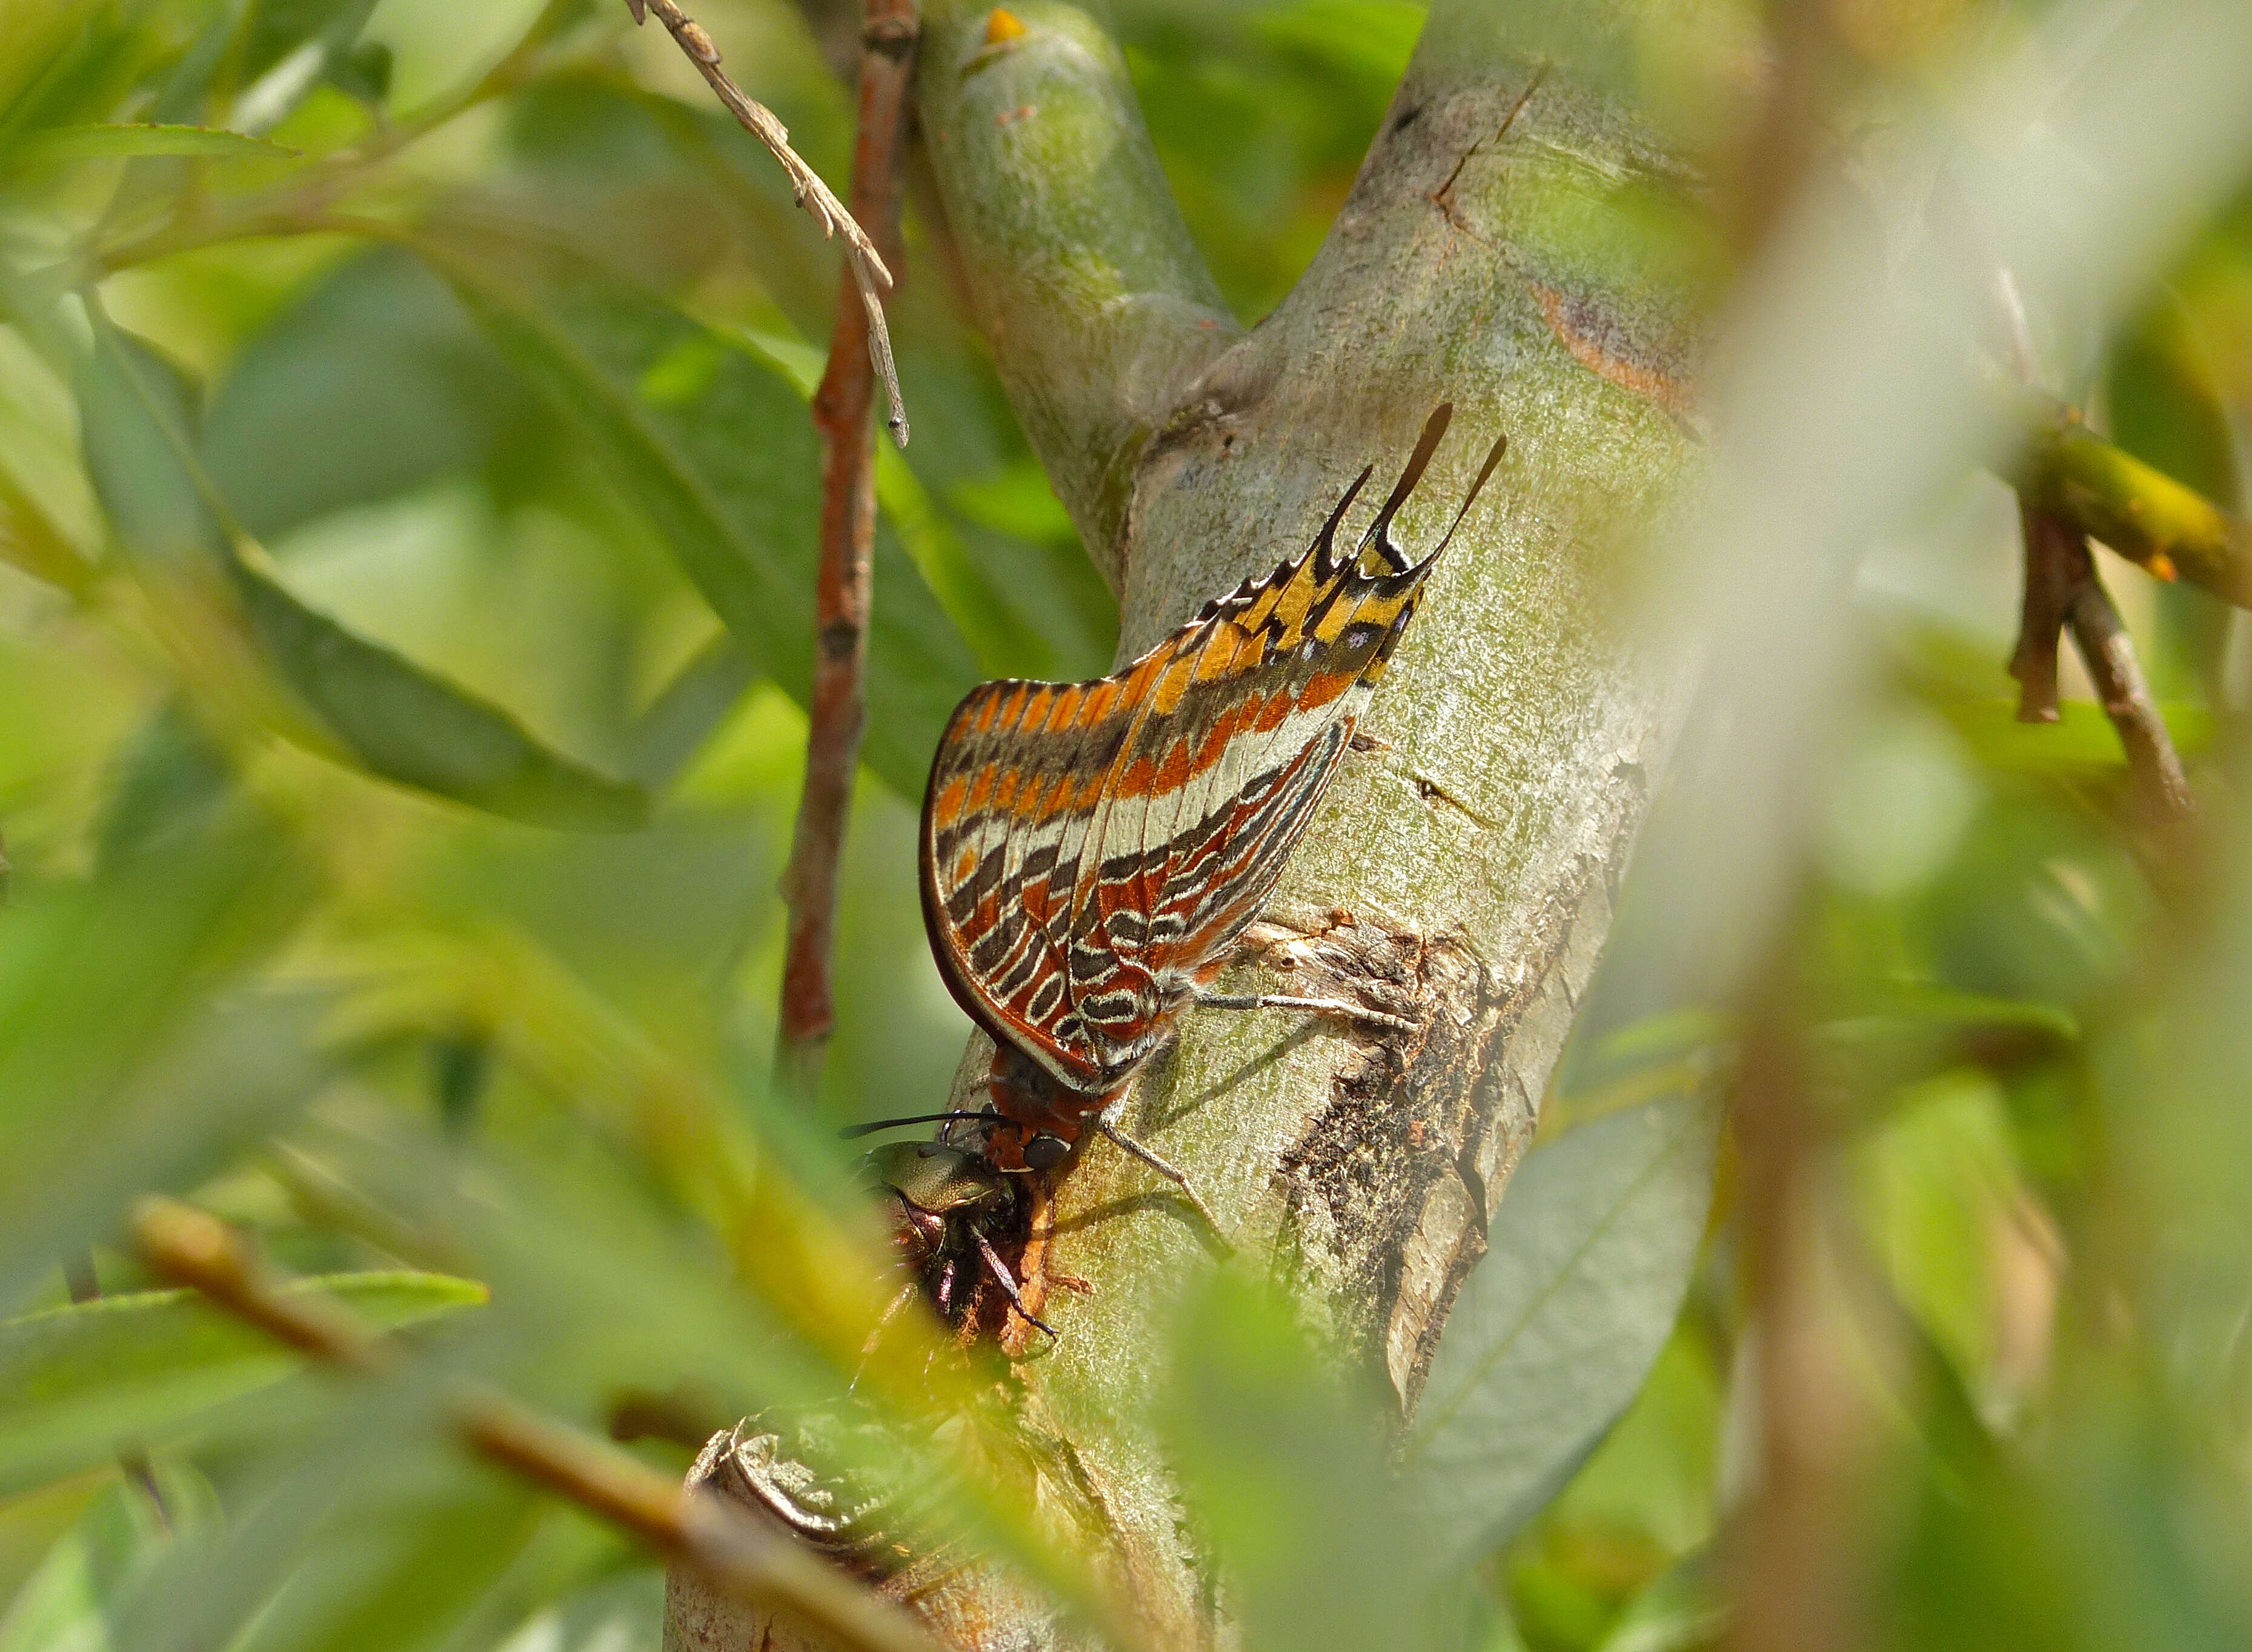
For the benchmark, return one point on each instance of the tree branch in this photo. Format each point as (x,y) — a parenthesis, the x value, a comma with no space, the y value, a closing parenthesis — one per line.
(1459,874)
(871,277)
(838,706)
(743,1558)
(1098,307)
(2136,509)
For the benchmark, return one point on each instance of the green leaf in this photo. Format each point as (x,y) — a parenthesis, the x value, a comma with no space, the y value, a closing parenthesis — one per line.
(102,142)
(70,1603)
(411,726)
(124,1065)
(76,1382)
(1684,1611)
(1004,644)
(623,1612)
(722,463)
(404,722)
(2082,739)
(30,543)
(1924,1007)
(137,418)
(403,1570)
(1554,1332)
(326,1555)
(373,382)
(1286,1482)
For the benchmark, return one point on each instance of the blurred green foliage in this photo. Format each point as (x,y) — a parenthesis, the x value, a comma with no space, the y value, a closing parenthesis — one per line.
(407,507)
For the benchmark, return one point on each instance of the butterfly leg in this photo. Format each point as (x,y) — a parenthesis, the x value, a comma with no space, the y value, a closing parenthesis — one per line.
(1178,1178)
(1340,1007)
(1008,1284)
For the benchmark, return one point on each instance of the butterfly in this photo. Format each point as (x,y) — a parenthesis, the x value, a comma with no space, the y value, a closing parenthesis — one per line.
(1091,852)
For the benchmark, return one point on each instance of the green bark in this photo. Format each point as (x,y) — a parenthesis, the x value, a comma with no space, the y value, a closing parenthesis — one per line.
(1097,305)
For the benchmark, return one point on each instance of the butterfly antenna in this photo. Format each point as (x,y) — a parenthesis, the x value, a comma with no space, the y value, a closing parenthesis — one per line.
(1380,532)
(1493,458)
(957,1115)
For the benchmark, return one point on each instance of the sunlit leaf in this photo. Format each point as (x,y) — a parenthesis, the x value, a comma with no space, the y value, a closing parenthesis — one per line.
(411,726)
(70,1603)
(30,541)
(1557,1328)
(623,1613)
(1286,1485)
(76,1382)
(401,1571)
(724,466)
(118,1073)
(1005,646)
(318,1539)
(2083,740)
(402,721)
(1684,1611)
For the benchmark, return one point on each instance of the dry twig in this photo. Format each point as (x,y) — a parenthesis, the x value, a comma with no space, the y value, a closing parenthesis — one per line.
(743,1558)
(837,707)
(872,277)
(2063,591)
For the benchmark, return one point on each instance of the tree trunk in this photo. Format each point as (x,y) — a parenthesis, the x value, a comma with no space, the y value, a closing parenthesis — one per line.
(1462,871)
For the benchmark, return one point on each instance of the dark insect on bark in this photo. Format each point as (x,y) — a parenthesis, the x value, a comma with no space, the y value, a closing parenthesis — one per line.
(954,1210)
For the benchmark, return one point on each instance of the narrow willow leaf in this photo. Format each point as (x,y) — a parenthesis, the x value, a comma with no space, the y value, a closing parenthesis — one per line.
(67,1605)
(76,1382)
(1286,1483)
(404,722)
(2083,742)
(409,725)
(137,418)
(676,724)
(374,382)
(1684,1611)
(400,1570)
(1004,644)
(712,446)
(30,543)
(125,1065)
(1554,1332)
(98,142)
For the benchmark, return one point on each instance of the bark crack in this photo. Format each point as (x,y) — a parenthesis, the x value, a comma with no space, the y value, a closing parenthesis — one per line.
(1443,196)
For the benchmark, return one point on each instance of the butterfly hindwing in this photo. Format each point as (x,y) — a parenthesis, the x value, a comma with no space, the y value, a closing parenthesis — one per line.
(1091,849)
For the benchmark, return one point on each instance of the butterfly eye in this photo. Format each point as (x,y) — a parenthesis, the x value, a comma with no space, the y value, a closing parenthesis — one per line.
(1044,1152)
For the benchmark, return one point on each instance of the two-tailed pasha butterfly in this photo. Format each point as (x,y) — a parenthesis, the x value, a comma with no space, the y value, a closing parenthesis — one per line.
(1092,851)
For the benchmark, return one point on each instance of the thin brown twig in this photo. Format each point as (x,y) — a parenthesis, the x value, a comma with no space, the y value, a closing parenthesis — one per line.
(2108,653)
(741,1558)
(838,706)
(2063,591)
(2056,564)
(872,277)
